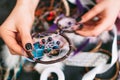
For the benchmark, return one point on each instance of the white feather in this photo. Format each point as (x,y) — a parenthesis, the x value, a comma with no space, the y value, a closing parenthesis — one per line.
(9,60)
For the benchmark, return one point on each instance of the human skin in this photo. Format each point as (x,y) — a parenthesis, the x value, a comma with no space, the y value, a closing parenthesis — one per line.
(107,11)
(15,31)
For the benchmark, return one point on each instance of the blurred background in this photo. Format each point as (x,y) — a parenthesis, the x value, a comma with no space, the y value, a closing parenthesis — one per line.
(13,67)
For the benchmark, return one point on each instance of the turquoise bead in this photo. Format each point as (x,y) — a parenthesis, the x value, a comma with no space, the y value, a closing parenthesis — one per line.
(39,53)
(34,53)
(36,45)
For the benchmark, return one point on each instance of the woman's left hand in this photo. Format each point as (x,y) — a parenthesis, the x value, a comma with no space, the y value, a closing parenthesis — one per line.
(106,11)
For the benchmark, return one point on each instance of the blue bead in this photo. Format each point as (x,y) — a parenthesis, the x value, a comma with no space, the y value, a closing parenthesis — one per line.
(56,47)
(34,53)
(36,45)
(48,50)
(39,53)
(43,47)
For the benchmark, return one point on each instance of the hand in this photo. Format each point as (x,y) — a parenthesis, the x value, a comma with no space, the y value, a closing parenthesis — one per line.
(107,12)
(15,31)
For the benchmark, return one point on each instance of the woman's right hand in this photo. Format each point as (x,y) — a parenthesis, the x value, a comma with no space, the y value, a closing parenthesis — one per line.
(15,31)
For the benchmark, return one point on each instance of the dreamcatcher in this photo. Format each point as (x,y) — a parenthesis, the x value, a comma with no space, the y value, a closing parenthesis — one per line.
(51,47)
(54,18)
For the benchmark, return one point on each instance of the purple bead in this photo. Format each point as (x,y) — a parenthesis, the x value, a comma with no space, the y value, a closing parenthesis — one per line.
(69,23)
(58,42)
(49,38)
(43,41)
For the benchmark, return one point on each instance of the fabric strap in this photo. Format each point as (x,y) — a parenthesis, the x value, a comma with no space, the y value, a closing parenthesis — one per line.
(104,67)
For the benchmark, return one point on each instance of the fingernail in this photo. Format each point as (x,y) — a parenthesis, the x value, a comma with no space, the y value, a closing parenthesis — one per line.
(28,46)
(80,26)
(78,19)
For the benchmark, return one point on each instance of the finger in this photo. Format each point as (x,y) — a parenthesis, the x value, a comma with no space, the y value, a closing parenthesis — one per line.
(26,36)
(16,53)
(96,30)
(92,13)
(12,44)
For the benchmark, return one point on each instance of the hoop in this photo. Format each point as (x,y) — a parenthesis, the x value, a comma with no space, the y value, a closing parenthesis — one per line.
(55,60)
